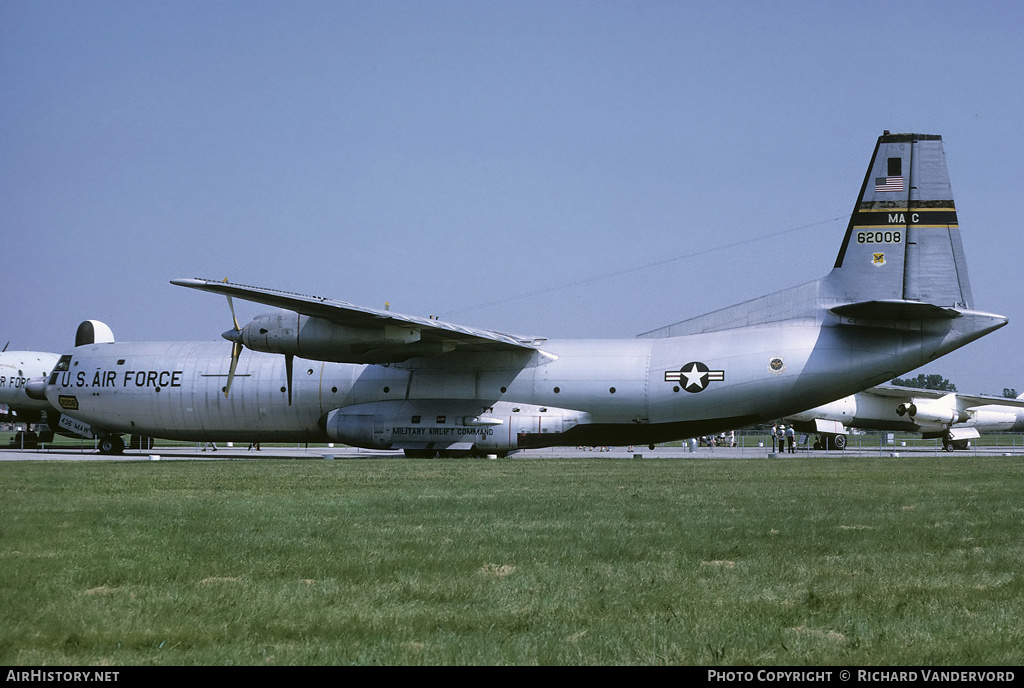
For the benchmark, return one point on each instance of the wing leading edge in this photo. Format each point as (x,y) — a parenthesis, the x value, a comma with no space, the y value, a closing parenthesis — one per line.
(963,401)
(349,315)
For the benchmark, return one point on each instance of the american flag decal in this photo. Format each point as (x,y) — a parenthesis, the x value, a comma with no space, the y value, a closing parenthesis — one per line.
(888,183)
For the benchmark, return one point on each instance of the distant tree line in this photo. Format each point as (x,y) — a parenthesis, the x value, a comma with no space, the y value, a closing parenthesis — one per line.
(923,381)
(941,384)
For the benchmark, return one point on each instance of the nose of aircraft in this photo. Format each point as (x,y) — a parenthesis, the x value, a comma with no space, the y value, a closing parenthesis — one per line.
(36,389)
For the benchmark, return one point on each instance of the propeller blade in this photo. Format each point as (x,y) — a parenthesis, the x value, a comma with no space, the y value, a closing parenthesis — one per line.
(236,351)
(288,359)
(235,337)
(231,305)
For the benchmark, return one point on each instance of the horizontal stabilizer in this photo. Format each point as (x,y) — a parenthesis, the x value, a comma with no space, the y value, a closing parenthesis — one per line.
(895,309)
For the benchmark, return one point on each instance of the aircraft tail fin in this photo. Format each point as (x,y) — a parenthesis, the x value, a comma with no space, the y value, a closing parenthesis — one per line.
(901,257)
(903,239)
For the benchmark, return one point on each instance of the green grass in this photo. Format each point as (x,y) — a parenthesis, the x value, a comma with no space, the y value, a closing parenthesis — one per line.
(790,561)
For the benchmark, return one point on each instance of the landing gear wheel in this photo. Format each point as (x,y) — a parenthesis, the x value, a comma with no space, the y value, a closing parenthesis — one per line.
(112,445)
(947,444)
(831,442)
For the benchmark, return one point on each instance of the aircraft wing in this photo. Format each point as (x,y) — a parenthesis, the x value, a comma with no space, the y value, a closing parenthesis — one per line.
(343,313)
(963,401)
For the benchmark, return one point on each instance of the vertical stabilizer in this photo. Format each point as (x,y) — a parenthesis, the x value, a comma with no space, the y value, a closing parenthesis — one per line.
(903,240)
(901,258)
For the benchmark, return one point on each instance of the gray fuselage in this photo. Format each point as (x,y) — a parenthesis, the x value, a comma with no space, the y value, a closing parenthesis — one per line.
(624,391)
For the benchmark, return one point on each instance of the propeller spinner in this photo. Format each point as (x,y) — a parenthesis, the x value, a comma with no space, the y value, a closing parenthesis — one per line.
(235,337)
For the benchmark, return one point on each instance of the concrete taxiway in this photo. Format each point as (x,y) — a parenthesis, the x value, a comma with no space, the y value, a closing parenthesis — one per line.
(320,452)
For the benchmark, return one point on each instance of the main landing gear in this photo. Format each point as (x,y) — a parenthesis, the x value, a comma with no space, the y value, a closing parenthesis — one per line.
(951,445)
(111,444)
(830,441)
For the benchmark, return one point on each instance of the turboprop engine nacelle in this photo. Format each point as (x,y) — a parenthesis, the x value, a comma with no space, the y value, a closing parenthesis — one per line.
(928,412)
(290,333)
(448,424)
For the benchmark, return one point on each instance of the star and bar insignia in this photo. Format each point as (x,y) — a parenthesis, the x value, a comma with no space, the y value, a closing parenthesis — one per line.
(695,376)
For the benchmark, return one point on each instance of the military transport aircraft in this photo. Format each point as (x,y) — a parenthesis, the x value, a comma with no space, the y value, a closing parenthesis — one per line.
(956,418)
(23,376)
(17,369)
(322,370)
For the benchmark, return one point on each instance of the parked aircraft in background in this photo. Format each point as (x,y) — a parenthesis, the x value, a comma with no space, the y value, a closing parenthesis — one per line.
(322,370)
(17,369)
(956,418)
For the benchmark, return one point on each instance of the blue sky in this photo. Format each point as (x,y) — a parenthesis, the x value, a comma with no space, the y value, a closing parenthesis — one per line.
(444,155)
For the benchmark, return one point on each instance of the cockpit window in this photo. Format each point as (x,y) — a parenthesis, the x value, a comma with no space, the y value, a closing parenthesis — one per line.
(63,364)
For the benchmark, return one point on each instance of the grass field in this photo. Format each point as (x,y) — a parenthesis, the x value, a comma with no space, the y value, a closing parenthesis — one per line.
(791,561)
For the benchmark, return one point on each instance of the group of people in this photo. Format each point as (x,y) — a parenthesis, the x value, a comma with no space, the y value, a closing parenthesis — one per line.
(252,445)
(722,440)
(781,435)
